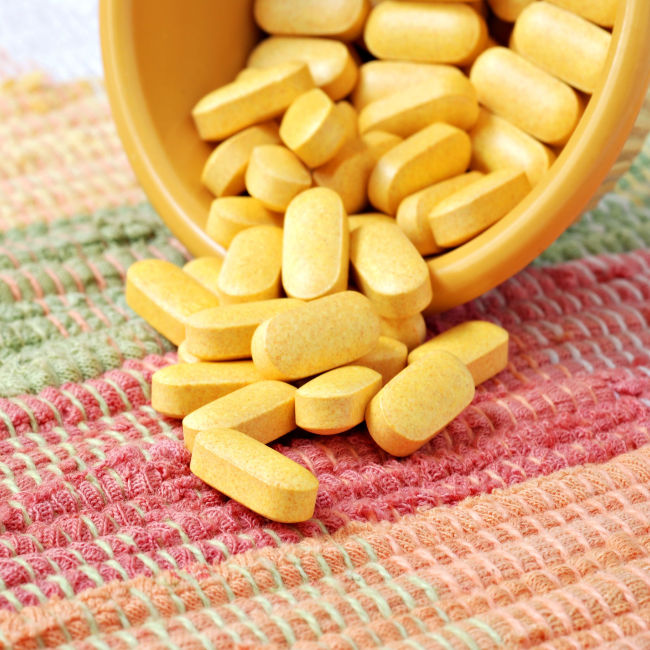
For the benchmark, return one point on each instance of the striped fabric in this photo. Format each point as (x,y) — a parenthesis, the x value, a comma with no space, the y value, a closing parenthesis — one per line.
(525,523)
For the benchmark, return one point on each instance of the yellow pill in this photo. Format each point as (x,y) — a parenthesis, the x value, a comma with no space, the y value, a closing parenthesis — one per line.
(225,332)
(349,171)
(412,330)
(420,401)
(225,169)
(388,358)
(601,12)
(250,100)
(433,33)
(563,44)
(263,410)
(389,270)
(342,19)
(480,345)
(331,63)
(413,212)
(318,336)
(275,175)
(255,475)
(519,91)
(184,356)
(336,400)
(165,296)
(509,10)
(252,267)
(452,100)
(312,128)
(474,208)
(438,152)
(497,144)
(205,270)
(184,387)
(315,248)
(230,215)
(357,220)
(350,118)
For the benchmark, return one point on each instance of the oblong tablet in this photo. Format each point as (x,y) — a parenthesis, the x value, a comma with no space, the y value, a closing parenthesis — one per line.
(336,400)
(315,249)
(412,330)
(601,12)
(420,401)
(225,332)
(184,356)
(165,296)
(251,269)
(357,220)
(255,475)
(205,270)
(318,336)
(509,10)
(482,346)
(184,387)
(389,270)
(263,410)
(388,358)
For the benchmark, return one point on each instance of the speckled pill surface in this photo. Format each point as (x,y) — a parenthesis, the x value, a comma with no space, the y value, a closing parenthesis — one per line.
(205,270)
(252,267)
(420,401)
(563,44)
(330,62)
(498,144)
(315,249)
(509,10)
(312,128)
(184,387)
(413,212)
(336,400)
(253,99)
(225,169)
(423,31)
(275,175)
(482,346)
(601,12)
(255,475)
(225,332)
(357,220)
(318,336)
(350,119)
(263,410)
(184,356)
(433,154)
(165,296)
(388,269)
(388,358)
(525,95)
(474,208)
(412,330)
(232,214)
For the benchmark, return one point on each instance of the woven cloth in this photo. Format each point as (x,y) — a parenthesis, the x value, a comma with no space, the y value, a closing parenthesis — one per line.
(525,523)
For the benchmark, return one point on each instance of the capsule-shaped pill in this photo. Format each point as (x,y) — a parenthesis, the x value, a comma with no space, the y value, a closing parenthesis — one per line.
(525,95)
(205,270)
(474,208)
(225,332)
(343,19)
(275,175)
(165,296)
(357,220)
(412,330)
(225,169)
(315,249)
(312,128)
(331,63)
(336,400)
(264,410)
(497,144)
(563,44)
(413,212)
(184,387)
(429,32)
(438,152)
(232,214)
(389,270)
(255,475)
(509,10)
(482,346)
(252,267)
(318,336)
(420,401)
(184,356)
(601,12)
(248,101)
(388,358)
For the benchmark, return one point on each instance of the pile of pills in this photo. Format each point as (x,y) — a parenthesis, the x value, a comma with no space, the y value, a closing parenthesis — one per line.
(336,181)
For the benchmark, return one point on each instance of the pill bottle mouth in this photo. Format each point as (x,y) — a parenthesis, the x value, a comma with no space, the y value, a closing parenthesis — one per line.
(161,56)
